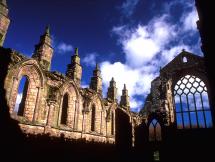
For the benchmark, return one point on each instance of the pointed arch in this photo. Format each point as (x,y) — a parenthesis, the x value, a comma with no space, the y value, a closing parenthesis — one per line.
(34,67)
(192,109)
(155,131)
(70,87)
(34,74)
(99,118)
(72,110)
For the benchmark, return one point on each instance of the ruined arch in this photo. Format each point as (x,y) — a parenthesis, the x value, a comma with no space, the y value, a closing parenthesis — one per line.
(155,132)
(192,108)
(155,125)
(96,109)
(32,71)
(178,68)
(72,112)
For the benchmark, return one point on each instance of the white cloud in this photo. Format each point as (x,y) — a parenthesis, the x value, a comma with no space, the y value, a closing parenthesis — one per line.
(189,20)
(90,59)
(147,48)
(143,43)
(137,81)
(135,104)
(18,101)
(128,7)
(64,48)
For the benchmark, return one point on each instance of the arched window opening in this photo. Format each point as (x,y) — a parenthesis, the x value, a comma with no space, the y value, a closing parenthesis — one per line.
(184,59)
(21,96)
(112,123)
(64,109)
(154,131)
(192,104)
(93,115)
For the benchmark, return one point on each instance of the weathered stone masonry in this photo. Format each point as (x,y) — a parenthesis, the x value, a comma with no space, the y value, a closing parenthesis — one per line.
(44,103)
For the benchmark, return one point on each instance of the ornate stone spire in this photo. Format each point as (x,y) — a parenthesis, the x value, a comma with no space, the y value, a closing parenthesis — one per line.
(112,90)
(4,21)
(47,32)
(74,69)
(125,103)
(96,80)
(44,51)
(76,51)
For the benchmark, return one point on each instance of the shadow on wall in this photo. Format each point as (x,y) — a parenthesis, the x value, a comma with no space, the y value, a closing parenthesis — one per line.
(123,131)
(11,136)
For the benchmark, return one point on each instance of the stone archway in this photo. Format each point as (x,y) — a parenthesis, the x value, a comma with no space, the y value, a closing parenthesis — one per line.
(31,70)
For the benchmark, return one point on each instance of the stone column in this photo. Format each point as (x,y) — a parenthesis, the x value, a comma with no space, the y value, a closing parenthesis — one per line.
(51,106)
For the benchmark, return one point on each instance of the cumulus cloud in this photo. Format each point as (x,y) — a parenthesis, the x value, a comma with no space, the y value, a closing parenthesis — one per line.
(64,48)
(90,59)
(138,81)
(189,20)
(128,7)
(145,42)
(147,48)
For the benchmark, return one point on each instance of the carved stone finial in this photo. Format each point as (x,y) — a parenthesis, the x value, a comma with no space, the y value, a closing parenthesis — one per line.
(47,32)
(76,51)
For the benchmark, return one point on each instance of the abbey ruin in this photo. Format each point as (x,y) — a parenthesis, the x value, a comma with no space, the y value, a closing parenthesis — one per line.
(55,104)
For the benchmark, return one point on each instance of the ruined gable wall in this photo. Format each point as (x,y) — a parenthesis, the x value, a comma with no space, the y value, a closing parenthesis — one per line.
(44,103)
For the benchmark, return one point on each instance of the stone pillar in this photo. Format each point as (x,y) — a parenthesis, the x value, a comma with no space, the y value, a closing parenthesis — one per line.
(51,106)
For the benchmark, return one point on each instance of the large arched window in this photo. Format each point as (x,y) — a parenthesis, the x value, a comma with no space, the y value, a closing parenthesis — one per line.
(191,103)
(21,96)
(154,131)
(64,109)
(93,115)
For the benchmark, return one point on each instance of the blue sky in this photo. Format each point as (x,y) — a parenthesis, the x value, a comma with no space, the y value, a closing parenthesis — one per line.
(130,39)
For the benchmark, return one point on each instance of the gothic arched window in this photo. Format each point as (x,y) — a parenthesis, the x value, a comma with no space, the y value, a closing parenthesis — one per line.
(64,109)
(154,131)
(21,97)
(192,104)
(93,118)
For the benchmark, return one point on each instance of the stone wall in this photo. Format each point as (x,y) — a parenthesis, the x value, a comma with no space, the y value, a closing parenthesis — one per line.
(44,102)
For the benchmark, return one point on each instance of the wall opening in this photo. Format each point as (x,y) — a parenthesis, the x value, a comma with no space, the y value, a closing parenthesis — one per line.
(21,96)
(184,59)
(156,156)
(93,114)
(154,131)
(112,123)
(192,104)
(64,112)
